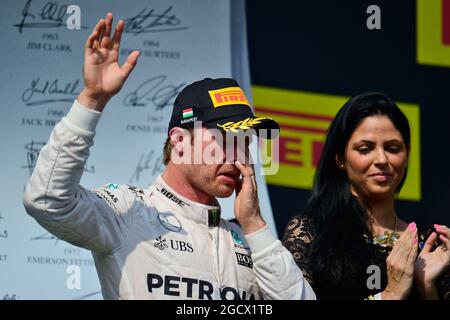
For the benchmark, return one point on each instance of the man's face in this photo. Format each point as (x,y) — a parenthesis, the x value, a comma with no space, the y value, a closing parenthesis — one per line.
(213,154)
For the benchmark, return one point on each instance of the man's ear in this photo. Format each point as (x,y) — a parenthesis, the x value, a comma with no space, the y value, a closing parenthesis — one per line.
(180,140)
(177,137)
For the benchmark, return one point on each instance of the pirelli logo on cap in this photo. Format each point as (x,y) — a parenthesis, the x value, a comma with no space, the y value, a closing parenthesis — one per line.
(228,96)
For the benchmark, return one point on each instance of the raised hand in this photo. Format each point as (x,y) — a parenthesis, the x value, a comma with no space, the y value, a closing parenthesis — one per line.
(400,265)
(103,76)
(246,205)
(432,262)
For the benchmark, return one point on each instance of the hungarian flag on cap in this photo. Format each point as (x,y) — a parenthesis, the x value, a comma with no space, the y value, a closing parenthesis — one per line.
(187,113)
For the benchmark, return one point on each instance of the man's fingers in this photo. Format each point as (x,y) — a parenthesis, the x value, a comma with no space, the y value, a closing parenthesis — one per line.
(244,170)
(238,186)
(246,176)
(106,36)
(90,40)
(253,177)
(94,35)
(108,24)
(129,65)
(118,35)
(98,39)
(93,39)
(248,173)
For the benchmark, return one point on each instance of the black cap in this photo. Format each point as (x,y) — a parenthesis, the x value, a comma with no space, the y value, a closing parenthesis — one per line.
(219,104)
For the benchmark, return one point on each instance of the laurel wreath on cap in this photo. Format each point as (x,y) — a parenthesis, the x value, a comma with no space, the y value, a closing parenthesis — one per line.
(243,124)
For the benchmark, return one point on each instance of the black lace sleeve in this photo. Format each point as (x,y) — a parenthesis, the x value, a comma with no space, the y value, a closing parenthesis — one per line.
(296,239)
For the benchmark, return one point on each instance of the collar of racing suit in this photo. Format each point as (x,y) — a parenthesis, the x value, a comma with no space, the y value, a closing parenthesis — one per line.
(200,213)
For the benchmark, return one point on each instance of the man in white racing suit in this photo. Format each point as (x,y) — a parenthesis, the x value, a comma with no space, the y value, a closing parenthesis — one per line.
(167,241)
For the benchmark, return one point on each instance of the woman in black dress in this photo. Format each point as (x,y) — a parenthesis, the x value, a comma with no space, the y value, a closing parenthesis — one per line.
(349,241)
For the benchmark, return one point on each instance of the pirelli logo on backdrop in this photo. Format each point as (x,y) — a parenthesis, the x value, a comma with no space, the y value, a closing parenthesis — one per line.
(228,96)
(304,119)
(433,32)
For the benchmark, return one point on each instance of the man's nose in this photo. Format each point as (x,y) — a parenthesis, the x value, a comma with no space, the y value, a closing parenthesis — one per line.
(231,152)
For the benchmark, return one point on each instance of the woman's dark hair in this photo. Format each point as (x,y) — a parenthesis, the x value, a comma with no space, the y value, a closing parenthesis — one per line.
(339,220)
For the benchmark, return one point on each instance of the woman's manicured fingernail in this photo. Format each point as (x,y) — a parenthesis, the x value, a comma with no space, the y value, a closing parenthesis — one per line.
(414,241)
(412,226)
